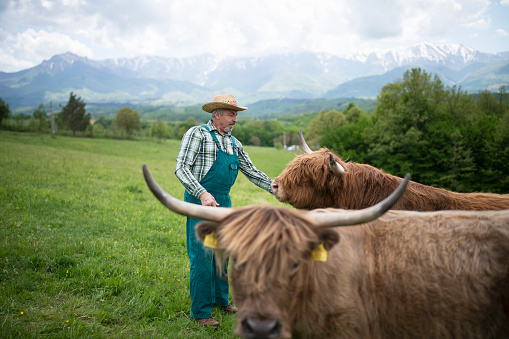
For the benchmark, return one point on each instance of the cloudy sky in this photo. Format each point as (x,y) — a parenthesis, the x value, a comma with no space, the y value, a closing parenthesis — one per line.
(34,30)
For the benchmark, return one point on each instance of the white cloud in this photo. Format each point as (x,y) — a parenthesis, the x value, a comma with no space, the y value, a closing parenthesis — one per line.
(501,32)
(36,29)
(8,62)
(48,44)
(30,47)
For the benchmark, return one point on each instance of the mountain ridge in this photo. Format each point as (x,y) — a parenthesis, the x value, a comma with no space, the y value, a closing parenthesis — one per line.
(187,81)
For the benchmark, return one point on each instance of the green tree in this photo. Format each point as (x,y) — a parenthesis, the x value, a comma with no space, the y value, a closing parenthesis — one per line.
(33,125)
(127,120)
(105,122)
(5,111)
(501,144)
(462,173)
(98,129)
(352,113)
(270,130)
(489,104)
(73,114)
(184,126)
(348,140)
(41,118)
(159,130)
(19,121)
(172,129)
(246,133)
(460,105)
(492,151)
(332,119)
(503,98)
(404,138)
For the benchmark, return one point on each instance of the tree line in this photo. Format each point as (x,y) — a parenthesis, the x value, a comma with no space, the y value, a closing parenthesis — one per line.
(442,135)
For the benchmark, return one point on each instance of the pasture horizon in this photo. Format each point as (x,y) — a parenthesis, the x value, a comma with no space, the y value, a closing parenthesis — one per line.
(87,250)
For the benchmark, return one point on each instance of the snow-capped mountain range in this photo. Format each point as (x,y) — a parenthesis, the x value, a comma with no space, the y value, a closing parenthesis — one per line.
(187,81)
(446,54)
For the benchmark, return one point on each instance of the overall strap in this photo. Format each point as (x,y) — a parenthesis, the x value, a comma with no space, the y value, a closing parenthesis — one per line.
(235,148)
(213,137)
(234,144)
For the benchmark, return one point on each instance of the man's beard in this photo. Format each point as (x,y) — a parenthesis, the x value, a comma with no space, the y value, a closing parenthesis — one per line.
(229,128)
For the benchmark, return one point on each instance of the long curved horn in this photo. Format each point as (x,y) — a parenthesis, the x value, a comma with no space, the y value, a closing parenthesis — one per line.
(327,218)
(335,166)
(303,144)
(182,207)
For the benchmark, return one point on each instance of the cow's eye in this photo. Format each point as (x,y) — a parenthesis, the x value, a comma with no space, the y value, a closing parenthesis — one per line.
(294,267)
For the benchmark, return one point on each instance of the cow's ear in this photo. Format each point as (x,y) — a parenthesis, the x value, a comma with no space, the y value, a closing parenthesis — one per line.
(329,238)
(205,228)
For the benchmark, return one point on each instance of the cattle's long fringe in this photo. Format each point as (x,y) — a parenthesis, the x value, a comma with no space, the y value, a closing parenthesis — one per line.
(278,239)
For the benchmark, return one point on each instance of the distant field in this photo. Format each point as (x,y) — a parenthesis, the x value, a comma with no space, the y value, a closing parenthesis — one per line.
(87,251)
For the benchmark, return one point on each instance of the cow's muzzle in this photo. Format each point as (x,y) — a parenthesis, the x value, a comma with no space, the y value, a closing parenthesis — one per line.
(258,329)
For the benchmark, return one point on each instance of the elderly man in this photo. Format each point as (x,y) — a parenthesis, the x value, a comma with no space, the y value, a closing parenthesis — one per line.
(207,165)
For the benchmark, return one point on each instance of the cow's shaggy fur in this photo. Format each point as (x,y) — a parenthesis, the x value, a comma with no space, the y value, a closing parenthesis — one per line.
(405,275)
(308,183)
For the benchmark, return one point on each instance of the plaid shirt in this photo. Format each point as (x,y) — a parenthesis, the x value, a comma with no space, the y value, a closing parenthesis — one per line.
(198,152)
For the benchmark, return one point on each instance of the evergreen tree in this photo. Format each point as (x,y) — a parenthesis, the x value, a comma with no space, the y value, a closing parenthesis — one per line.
(5,111)
(462,173)
(73,114)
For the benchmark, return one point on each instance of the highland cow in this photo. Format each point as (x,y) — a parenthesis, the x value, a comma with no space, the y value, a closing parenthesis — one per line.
(321,179)
(402,275)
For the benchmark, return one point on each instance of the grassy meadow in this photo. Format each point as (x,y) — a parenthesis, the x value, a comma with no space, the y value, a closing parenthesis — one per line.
(86,250)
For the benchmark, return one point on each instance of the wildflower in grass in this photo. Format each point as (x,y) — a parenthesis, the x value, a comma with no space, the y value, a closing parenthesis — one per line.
(21,312)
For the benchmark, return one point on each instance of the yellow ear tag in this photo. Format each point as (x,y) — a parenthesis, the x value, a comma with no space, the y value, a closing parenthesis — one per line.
(210,240)
(319,253)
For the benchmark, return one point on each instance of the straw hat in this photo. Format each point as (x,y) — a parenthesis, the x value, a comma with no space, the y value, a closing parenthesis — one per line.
(225,101)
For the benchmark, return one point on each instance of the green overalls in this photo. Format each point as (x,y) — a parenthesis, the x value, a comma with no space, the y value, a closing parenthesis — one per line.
(205,286)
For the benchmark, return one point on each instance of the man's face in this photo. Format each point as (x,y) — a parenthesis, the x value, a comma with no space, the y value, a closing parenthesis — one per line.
(224,123)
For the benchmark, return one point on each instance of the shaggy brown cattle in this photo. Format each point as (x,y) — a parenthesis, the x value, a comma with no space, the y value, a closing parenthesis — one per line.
(320,179)
(404,275)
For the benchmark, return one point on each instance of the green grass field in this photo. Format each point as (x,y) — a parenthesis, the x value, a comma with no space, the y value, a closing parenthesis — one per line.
(87,251)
